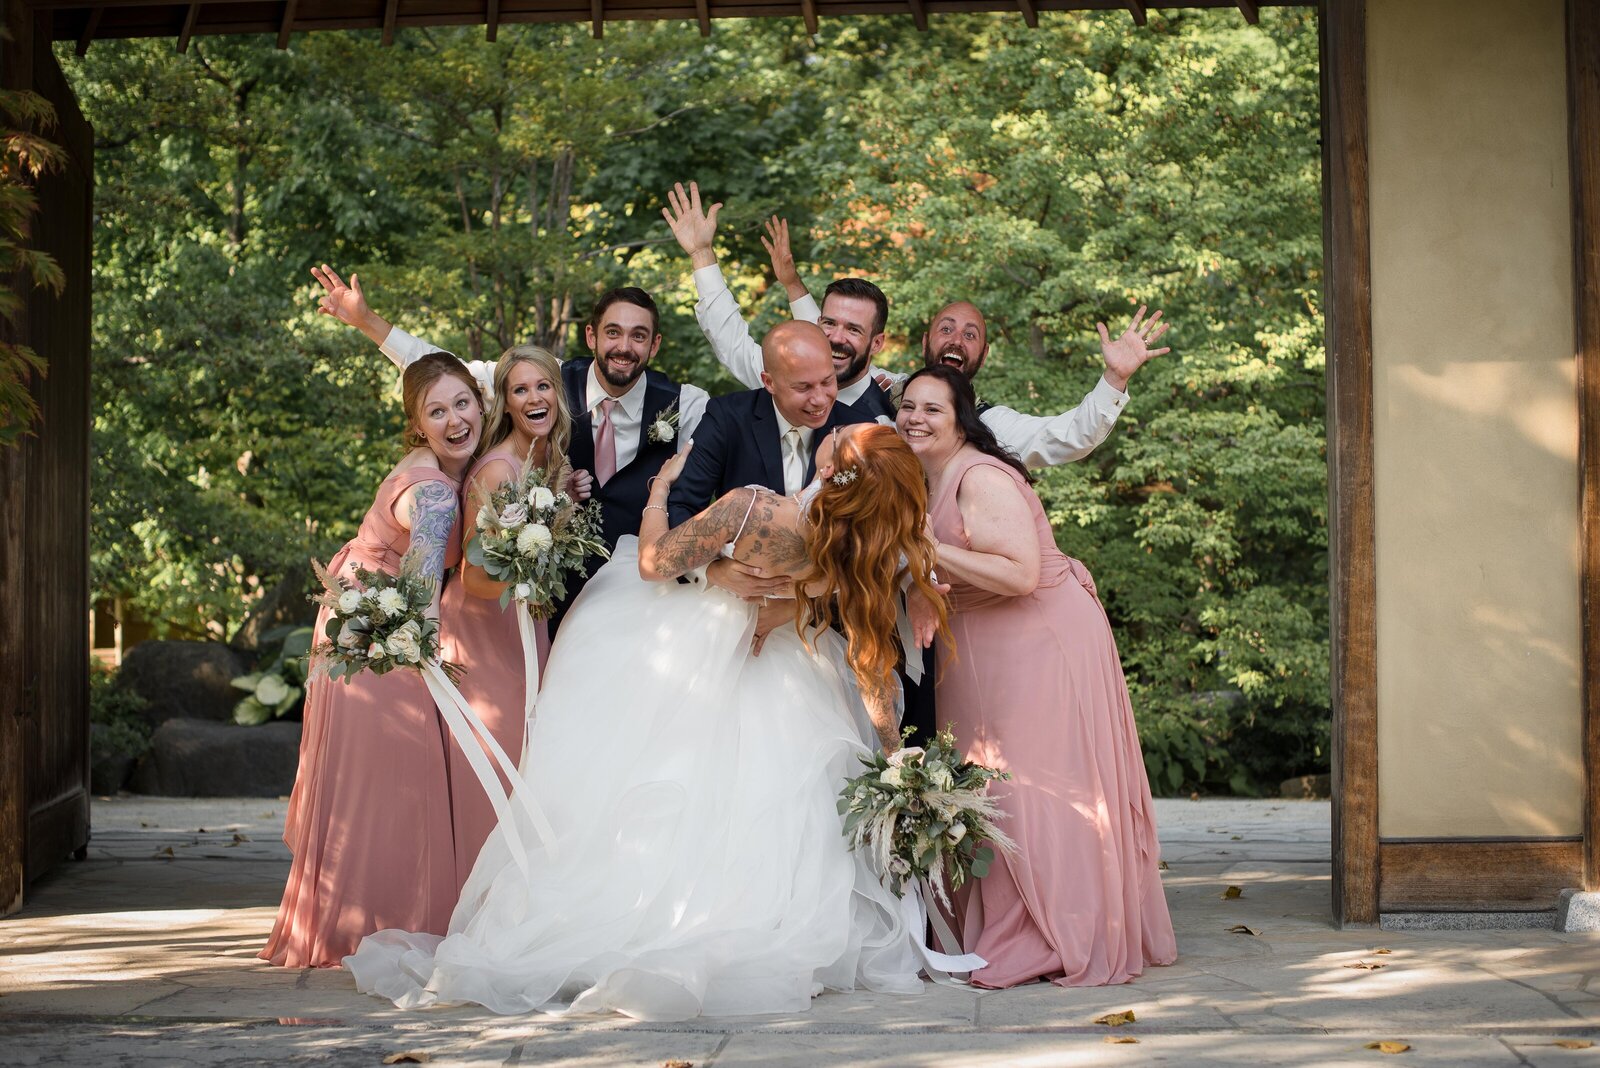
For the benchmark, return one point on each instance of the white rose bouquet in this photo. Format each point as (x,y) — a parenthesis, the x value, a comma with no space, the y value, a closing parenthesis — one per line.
(922,814)
(376,622)
(533,537)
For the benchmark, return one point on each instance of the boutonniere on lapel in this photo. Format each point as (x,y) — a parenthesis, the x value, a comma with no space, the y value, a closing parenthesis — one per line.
(665,428)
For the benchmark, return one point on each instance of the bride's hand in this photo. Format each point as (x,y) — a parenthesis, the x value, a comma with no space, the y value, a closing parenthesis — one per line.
(674,467)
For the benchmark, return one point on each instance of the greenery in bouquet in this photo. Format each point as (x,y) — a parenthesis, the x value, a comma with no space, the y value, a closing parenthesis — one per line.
(533,537)
(376,622)
(924,814)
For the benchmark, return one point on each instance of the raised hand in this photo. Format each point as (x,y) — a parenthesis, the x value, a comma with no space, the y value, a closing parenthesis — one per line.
(347,303)
(693,227)
(778,251)
(1131,350)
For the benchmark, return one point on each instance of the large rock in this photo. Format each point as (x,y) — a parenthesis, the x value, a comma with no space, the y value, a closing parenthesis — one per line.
(183,680)
(197,758)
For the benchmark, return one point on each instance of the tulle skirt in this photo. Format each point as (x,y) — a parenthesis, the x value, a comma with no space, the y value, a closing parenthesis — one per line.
(697,864)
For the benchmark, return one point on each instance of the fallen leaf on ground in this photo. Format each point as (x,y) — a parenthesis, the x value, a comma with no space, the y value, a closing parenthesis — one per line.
(1194,797)
(1117,1019)
(408,1057)
(237,838)
(1120,1040)
(1163,866)
(1380,952)
(1238,838)
(142,823)
(1232,892)
(1240,928)
(1366,965)
(677,1064)
(201,831)
(167,852)
(1573,1043)
(1388,1046)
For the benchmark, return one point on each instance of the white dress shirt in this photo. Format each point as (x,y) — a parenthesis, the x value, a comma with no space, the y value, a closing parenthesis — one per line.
(403,349)
(1040,441)
(795,461)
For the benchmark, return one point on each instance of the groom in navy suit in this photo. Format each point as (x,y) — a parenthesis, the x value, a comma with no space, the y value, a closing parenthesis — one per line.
(769,436)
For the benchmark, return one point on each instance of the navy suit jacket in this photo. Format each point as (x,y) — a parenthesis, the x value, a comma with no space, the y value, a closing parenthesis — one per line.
(738,444)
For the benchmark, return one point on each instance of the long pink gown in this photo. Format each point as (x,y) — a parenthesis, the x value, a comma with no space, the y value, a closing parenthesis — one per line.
(368,820)
(1036,688)
(484,639)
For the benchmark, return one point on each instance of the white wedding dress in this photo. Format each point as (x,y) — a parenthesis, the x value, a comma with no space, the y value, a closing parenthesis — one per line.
(697,865)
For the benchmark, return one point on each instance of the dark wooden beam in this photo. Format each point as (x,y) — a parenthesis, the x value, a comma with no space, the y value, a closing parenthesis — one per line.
(1136,9)
(1583,140)
(1352,548)
(1250,10)
(391,9)
(808,13)
(1030,14)
(702,14)
(189,19)
(919,15)
(1476,875)
(288,24)
(491,19)
(89,27)
(597,15)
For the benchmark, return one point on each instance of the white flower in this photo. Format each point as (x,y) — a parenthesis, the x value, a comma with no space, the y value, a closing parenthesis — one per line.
(956,832)
(661,430)
(349,602)
(391,602)
(351,634)
(941,777)
(405,644)
(892,776)
(898,865)
(271,690)
(375,652)
(514,514)
(901,756)
(534,536)
(540,497)
(523,591)
(486,517)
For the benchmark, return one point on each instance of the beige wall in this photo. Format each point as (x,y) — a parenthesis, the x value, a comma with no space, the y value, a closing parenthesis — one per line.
(1475,420)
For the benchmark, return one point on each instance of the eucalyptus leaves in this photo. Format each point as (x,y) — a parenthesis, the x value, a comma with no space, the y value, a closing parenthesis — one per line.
(376,622)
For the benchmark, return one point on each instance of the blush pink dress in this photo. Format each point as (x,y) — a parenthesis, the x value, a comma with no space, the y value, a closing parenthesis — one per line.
(369,818)
(1035,688)
(483,639)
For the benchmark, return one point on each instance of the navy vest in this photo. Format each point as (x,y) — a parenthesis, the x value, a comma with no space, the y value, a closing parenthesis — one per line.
(623,497)
(875,402)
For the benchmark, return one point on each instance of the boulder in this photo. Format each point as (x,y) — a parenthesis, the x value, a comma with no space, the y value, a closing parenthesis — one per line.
(199,758)
(183,680)
(1307,787)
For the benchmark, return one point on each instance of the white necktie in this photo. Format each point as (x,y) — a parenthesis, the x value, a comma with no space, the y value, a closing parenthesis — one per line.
(794,465)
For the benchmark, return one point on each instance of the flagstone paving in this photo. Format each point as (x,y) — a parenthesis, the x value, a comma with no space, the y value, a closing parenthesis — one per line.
(144,954)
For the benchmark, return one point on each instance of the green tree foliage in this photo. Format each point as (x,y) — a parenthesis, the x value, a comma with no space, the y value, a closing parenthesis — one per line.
(486,192)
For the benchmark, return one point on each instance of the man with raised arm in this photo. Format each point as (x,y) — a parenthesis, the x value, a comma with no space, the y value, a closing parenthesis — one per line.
(957,336)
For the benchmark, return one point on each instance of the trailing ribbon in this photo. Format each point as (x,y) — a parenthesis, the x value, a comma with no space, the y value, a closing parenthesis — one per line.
(483,753)
(530,674)
(943,968)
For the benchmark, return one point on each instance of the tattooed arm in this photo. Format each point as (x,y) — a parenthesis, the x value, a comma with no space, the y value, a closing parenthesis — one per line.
(666,554)
(879,698)
(429,511)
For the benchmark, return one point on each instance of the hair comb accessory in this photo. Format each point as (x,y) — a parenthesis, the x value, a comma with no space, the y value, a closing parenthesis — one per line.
(844,477)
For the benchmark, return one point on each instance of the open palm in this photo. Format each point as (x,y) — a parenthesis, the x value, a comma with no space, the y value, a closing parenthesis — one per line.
(1132,349)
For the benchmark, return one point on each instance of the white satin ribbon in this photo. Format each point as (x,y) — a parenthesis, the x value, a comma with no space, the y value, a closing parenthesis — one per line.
(944,968)
(483,754)
(530,674)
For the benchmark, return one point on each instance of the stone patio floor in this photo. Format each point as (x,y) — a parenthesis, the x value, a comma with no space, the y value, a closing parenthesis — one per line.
(144,954)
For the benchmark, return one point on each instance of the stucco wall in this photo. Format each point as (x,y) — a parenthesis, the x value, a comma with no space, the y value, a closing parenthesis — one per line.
(1475,420)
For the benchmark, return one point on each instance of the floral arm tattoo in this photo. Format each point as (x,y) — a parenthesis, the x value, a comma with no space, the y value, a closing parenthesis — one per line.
(698,540)
(433,513)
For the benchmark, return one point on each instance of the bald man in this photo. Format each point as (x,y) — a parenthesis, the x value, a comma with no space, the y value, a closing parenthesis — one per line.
(768,436)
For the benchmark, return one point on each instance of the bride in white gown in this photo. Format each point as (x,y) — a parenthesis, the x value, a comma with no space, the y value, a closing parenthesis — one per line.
(694,863)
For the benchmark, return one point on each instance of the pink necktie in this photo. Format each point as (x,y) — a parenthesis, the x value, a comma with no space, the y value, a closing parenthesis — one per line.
(605,444)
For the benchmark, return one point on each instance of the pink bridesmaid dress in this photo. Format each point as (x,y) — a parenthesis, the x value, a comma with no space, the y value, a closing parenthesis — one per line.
(484,640)
(369,819)
(1036,688)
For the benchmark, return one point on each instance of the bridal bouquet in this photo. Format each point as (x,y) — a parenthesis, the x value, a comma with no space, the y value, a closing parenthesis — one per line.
(532,537)
(377,622)
(921,813)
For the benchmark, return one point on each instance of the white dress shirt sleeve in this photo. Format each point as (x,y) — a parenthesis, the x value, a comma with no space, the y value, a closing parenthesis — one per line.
(725,327)
(691,407)
(1045,441)
(405,349)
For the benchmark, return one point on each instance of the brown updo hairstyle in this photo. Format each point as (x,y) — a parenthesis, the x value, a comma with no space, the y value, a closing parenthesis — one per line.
(419,377)
(862,535)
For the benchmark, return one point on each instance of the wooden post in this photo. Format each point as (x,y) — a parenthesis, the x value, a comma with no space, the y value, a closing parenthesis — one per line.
(1347,304)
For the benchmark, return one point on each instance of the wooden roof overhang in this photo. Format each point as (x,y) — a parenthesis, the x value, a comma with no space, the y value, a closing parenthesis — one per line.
(85,21)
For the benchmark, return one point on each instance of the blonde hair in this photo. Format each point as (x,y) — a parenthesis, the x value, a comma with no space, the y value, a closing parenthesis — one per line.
(862,533)
(418,378)
(497,427)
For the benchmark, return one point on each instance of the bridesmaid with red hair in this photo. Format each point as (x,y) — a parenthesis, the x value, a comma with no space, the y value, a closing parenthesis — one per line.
(368,821)
(1034,687)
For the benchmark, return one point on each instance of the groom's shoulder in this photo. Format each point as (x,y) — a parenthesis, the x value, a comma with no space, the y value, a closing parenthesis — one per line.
(742,403)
